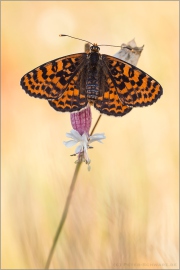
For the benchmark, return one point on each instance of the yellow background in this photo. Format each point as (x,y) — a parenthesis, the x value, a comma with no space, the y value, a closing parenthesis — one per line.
(124,212)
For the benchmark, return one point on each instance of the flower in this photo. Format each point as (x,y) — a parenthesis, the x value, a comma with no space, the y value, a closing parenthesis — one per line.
(81,121)
(84,141)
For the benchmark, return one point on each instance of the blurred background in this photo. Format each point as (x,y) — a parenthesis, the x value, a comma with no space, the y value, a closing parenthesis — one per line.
(124,212)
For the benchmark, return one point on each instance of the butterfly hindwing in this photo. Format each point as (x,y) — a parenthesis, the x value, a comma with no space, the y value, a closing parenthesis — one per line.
(74,98)
(134,87)
(50,80)
(108,101)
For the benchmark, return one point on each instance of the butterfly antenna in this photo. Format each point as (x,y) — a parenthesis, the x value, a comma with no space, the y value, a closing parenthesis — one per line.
(110,45)
(75,38)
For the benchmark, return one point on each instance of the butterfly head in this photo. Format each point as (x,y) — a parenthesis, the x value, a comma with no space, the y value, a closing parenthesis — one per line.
(95,48)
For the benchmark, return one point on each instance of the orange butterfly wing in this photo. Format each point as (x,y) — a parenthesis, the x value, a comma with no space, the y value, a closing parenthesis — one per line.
(133,86)
(62,83)
(73,99)
(108,101)
(56,82)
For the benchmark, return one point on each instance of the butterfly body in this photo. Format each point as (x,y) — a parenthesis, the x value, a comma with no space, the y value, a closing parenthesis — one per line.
(92,77)
(113,86)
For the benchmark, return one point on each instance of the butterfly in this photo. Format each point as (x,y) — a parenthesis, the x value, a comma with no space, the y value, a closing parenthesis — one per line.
(111,85)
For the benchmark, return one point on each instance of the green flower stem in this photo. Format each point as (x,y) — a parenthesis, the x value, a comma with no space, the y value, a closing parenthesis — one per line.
(92,131)
(66,207)
(64,215)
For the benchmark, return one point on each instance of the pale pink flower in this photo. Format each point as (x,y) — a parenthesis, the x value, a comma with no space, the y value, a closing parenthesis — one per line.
(81,123)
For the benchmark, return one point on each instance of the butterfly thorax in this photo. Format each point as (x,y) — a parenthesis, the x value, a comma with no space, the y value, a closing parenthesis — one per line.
(92,84)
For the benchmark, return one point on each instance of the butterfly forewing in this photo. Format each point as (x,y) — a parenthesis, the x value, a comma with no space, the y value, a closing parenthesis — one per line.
(51,79)
(134,87)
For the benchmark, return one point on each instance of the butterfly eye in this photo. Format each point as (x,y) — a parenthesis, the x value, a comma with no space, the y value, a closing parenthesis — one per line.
(94,48)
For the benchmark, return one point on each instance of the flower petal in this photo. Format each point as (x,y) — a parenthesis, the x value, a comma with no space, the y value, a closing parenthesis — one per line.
(76,135)
(84,138)
(86,156)
(97,137)
(70,143)
(79,149)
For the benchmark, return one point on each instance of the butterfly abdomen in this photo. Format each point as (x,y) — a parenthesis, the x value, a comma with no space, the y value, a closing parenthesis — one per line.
(92,84)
